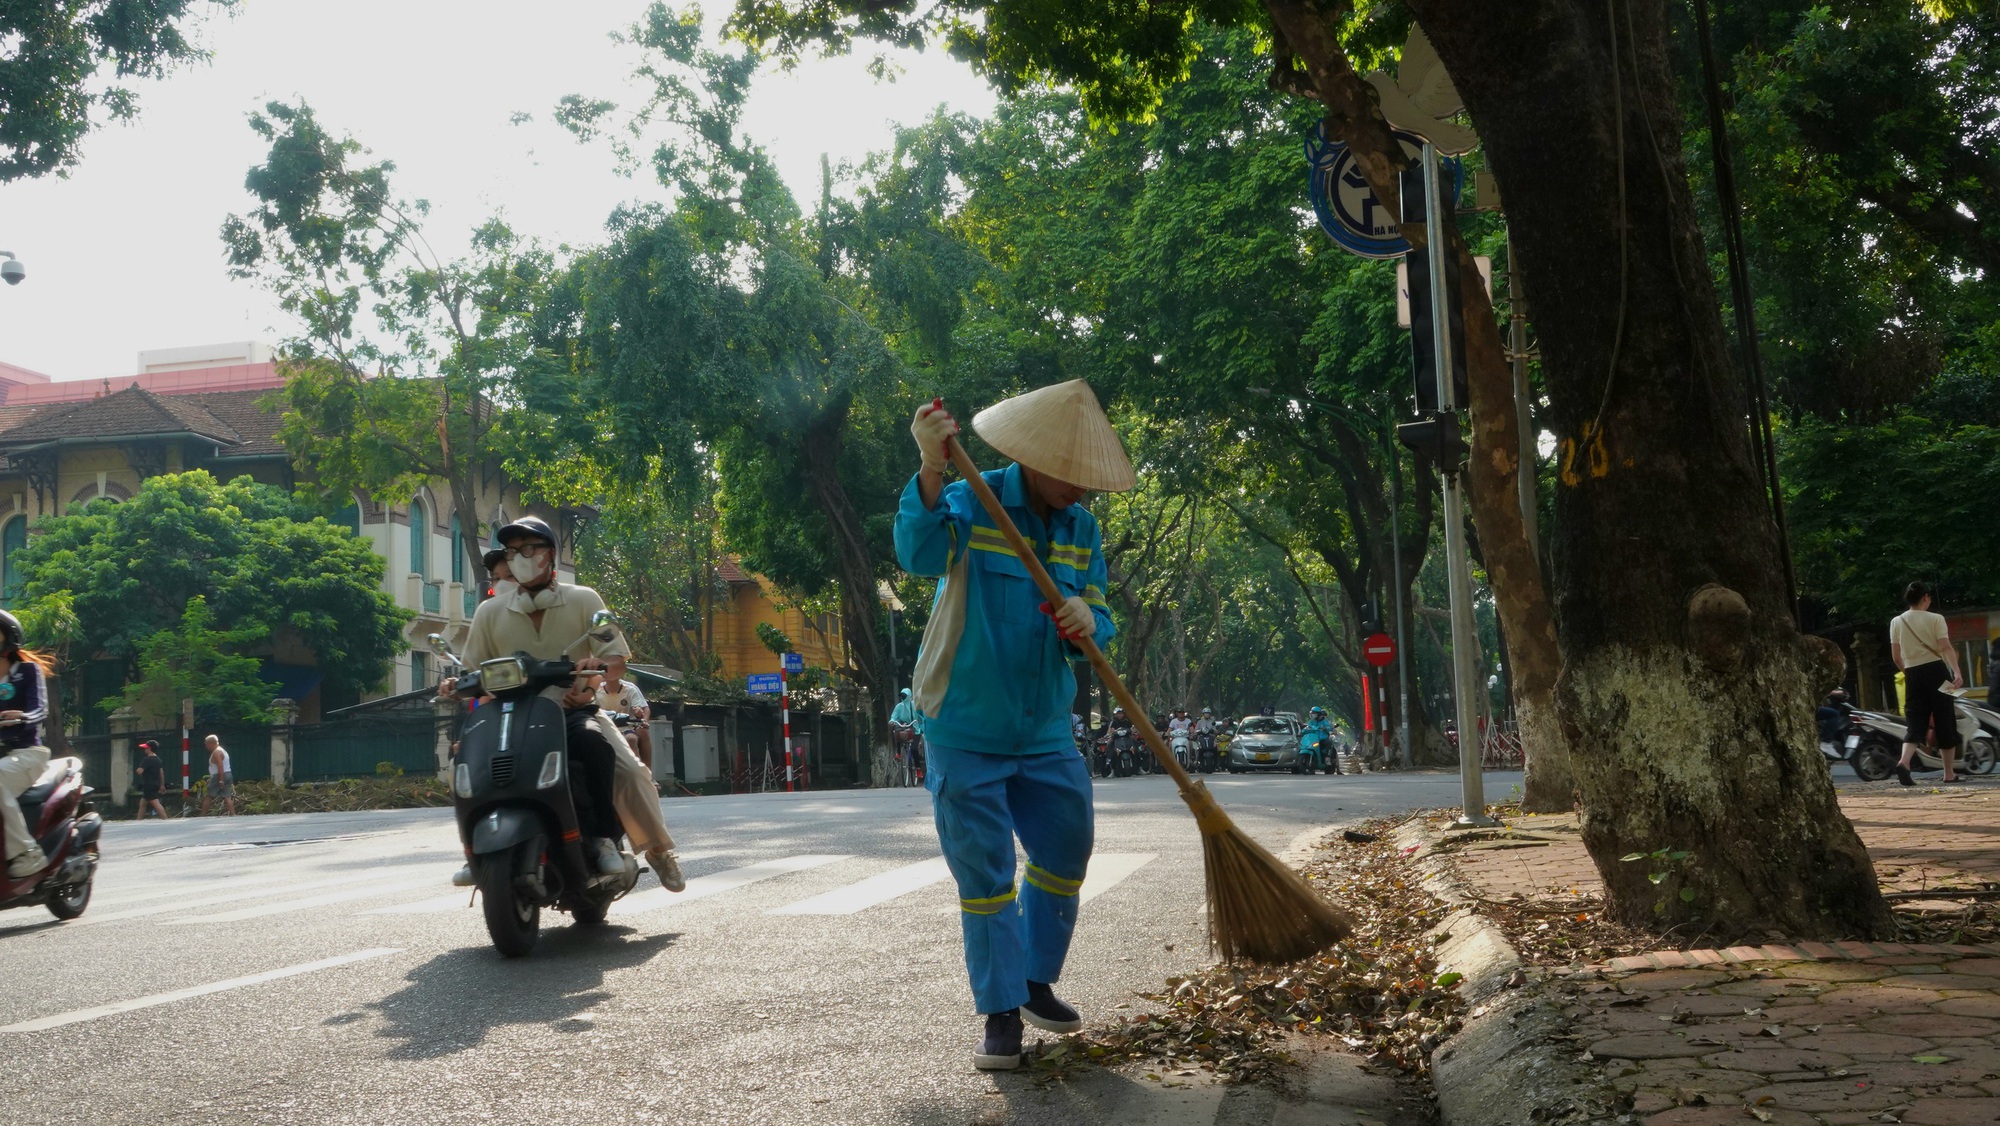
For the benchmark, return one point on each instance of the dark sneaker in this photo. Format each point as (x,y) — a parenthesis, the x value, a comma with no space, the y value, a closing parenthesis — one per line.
(1047,1013)
(1000,1050)
(1903,775)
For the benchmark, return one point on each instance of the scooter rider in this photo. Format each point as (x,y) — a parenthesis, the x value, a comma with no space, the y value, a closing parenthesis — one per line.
(539,617)
(24,699)
(1180,723)
(1318,732)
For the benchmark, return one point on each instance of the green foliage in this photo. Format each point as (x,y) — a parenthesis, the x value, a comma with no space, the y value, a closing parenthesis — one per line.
(1873,507)
(1671,869)
(655,561)
(256,558)
(1869,178)
(412,397)
(773,638)
(194,660)
(52,82)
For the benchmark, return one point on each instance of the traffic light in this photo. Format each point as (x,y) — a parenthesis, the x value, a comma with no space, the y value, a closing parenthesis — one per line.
(1371,617)
(1436,433)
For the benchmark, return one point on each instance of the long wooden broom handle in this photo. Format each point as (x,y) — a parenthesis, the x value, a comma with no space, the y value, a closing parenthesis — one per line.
(1055,598)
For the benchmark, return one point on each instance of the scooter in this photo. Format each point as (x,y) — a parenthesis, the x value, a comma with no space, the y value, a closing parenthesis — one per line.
(1207,757)
(59,814)
(1874,744)
(1183,748)
(1124,763)
(1316,752)
(511,793)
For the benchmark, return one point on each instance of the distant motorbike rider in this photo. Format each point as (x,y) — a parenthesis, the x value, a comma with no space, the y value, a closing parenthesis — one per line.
(23,700)
(539,617)
(1180,724)
(1206,724)
(1317,735)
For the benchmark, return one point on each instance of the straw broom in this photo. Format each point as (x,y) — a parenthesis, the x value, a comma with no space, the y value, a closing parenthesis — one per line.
(1258,908)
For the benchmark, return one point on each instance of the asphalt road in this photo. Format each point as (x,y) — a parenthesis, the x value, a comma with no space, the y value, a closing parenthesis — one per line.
(319,968)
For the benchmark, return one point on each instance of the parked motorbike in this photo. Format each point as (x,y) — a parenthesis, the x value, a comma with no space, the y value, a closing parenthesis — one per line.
(59,814)
(511,791)
(1874,744)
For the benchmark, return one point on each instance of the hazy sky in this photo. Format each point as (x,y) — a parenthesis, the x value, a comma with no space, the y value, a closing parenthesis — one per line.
(124,255)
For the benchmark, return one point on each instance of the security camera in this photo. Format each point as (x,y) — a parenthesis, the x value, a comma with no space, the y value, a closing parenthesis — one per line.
(11,270)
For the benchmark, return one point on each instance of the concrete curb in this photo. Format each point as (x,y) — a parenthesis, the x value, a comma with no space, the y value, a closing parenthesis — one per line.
(1511,1064)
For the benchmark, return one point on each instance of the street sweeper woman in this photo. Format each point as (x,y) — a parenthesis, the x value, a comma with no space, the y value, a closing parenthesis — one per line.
(994,687)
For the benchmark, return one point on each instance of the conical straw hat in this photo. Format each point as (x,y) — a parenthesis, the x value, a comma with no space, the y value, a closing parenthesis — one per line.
(1059,430)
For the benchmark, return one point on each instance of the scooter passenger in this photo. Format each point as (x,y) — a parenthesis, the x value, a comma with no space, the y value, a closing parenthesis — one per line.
(1317,737)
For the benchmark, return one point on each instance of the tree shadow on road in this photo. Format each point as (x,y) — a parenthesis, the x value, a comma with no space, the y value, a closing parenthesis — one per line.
(455,1000)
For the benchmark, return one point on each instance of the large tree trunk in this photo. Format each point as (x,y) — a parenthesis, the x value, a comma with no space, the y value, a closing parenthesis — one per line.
(1686,692)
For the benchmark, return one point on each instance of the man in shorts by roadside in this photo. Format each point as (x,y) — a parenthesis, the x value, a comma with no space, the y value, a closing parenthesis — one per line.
(1920,642)
(221,780)
(152,775)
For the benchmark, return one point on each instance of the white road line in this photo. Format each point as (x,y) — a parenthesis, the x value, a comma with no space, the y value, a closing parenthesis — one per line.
(701,887)
(288,905)
(1109,869)
(118,900)
(461,899)
(212,900)
(453,901)
(45,1023)
(879,888)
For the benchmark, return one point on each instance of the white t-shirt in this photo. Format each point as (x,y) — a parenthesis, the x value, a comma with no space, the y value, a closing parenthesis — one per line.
(1180,723)
(627,698)
(1923,636)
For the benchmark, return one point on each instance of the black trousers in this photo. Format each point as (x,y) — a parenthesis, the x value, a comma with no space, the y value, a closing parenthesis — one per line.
(592,758)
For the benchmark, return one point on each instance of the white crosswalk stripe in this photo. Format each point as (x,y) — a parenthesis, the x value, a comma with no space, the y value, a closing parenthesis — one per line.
(701,887)
(461,898)
(1109,869)
(879,888)
(289,905)
(76,1016)
(213,900)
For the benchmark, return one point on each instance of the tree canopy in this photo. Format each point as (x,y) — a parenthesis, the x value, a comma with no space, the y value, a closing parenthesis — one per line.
(53,88)
(258,560)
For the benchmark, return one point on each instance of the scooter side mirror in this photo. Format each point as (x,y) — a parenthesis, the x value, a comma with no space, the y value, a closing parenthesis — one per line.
(442,648)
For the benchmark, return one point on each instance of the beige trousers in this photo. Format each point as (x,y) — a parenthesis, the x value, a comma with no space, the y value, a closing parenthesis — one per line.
(18,771)
(634,795)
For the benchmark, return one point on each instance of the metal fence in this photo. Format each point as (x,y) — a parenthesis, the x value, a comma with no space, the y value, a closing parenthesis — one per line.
(352,748)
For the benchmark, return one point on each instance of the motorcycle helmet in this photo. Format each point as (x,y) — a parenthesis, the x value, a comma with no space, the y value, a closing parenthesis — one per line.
(12,637)
(1118,712)
(1318,711)
(494,554)
(526,526)
(1208,711)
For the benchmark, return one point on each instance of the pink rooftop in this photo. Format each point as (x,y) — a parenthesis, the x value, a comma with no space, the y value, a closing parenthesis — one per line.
(20,386)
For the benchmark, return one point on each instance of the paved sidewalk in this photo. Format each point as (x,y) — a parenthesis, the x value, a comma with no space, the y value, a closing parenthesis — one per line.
(1921,837)
(1807,1034)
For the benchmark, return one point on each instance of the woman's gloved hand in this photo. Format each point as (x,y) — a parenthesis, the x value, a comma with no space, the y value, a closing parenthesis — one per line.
(1074,620)
(932,427)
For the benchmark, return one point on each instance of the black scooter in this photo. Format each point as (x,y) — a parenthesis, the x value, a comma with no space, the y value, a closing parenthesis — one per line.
(511,789)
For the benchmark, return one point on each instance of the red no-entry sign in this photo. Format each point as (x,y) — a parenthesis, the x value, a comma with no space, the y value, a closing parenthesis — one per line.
(1379,649)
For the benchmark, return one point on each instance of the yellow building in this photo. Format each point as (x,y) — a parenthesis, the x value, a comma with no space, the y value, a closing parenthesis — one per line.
(732,627)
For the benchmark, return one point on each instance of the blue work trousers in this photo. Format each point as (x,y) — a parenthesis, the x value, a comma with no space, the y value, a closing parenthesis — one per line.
(982,803)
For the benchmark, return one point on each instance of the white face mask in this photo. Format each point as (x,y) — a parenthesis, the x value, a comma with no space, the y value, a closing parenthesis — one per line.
(525,569)
(505,588)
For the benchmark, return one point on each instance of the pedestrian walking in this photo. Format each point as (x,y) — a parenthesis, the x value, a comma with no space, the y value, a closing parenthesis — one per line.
(152,774)
(221,780)
(993,687)
(1920,642)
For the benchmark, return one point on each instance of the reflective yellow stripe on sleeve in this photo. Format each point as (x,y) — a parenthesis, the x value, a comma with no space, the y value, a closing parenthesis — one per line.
(1070,555)
(992,539)
(1095,597)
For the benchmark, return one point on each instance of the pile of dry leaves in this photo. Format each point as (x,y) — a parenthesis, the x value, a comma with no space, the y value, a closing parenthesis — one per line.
(1379,991)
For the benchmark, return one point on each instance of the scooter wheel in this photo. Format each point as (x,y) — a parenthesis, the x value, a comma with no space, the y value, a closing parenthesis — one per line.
(1126,764)
(1873,764)
(590,912)
(512,922)
(70,902)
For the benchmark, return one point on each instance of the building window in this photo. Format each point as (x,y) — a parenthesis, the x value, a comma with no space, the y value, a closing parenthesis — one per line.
(420,671)
(13,538)
(349,517)
(457,551)
(420,534)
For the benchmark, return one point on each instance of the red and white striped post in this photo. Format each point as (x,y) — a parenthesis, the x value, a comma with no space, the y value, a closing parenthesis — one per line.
(785,713)
(187,721)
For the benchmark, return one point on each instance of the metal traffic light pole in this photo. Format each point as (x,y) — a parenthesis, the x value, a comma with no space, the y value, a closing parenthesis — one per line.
(1464,634)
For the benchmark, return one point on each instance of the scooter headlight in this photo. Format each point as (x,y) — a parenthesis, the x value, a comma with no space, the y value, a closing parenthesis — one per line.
(461,780)
(502,673)
(551,770)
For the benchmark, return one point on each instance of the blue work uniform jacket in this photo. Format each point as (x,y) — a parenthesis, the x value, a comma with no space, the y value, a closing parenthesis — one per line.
(993,675)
